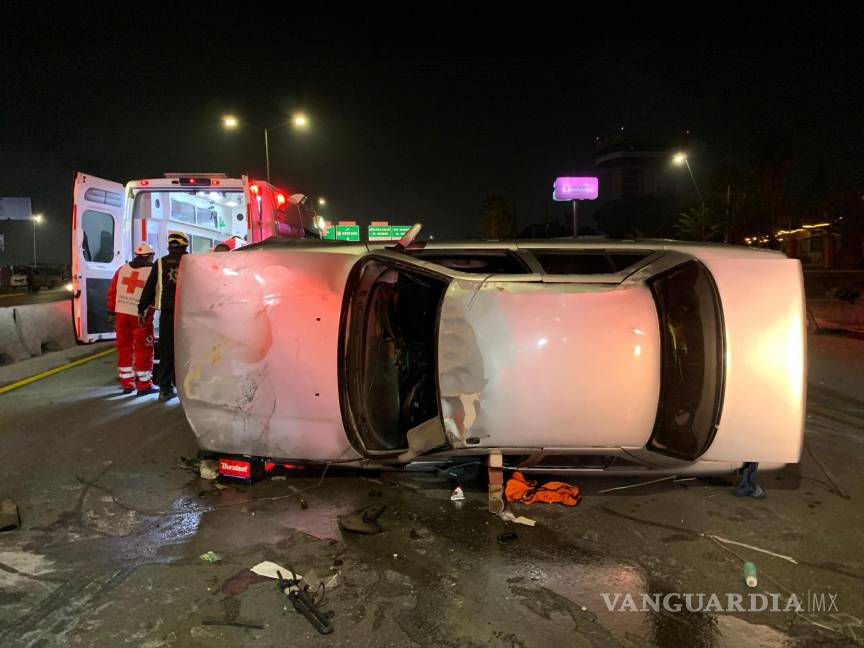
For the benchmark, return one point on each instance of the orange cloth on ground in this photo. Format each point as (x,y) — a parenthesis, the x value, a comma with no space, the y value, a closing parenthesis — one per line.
(519,489)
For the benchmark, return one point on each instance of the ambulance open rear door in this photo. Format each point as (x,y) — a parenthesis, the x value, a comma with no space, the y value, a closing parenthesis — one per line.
(97,231)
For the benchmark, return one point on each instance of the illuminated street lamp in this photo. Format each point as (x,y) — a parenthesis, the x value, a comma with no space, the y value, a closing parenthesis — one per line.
(322,202)
(681,158)
(37,218)
(298,120)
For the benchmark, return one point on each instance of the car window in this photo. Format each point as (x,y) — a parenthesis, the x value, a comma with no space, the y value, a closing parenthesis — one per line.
(566,262)
(98,241)
(390,353)
(474,261)
(691,369)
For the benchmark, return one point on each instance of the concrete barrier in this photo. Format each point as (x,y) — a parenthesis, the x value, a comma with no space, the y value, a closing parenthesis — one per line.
(25,331)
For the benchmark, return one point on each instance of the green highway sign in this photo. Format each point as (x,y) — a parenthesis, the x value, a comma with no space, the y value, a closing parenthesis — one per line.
(347,232)
(330,234)
(387,232)
(379,232)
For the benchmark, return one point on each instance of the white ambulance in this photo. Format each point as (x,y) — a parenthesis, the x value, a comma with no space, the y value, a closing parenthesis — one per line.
(109,219)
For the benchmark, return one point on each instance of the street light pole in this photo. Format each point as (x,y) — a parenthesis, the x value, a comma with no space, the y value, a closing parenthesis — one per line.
(681,158)
(37,218)
(299,120)
(693,178)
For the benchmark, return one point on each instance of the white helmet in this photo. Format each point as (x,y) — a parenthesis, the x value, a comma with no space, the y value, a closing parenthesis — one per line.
(143,249)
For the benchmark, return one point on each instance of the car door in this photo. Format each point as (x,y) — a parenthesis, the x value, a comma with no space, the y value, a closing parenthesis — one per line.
(97,229)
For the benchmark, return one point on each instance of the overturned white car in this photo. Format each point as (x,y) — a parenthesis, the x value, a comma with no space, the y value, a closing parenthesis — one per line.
(560,354)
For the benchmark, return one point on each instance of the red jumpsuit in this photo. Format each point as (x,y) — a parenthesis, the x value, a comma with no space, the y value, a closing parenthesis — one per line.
(134,341)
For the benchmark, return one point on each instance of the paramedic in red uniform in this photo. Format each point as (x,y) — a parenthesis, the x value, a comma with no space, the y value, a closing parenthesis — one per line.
(159,294)
(134,337)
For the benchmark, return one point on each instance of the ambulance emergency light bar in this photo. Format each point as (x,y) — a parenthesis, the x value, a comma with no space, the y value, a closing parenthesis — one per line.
(196,179)
(578,188)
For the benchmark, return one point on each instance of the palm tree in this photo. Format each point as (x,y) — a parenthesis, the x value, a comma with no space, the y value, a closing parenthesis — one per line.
(696,224)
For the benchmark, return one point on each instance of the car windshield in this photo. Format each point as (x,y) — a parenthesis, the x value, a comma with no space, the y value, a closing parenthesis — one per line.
(389,353)
(691,373)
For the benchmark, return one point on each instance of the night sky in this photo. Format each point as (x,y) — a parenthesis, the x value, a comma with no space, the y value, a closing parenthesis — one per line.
(415,116)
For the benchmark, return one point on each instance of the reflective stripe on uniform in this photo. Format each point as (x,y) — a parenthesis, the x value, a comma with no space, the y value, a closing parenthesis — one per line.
(158,304)
(126,372)
(145,375)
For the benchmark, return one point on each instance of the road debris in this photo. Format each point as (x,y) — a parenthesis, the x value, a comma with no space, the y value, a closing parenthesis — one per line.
(10,519)
(751,547)
(509,516)
(524,491)
(272,570)
(328,583)
(208,469)
(750,576)
(458,495)
(210,557)
(362,521)
(646,483)
(304,602)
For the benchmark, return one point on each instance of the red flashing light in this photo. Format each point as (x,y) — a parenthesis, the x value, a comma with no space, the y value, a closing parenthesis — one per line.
(280,199)
(253,188)
(192,181)
(215,183)
(144,183)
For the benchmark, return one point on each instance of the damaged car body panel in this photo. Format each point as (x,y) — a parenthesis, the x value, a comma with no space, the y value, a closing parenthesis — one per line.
(566,364)
(256,335)
(583,356)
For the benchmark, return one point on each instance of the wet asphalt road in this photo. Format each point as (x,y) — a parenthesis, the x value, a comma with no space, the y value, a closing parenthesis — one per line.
(113,527)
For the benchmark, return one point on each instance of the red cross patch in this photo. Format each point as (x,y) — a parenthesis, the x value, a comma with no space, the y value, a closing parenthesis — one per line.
(132,283)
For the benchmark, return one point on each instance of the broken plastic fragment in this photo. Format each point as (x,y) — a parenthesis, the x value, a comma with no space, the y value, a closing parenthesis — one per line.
(457,495)
(210,557)
(209,469)
(269,570)
(508,516)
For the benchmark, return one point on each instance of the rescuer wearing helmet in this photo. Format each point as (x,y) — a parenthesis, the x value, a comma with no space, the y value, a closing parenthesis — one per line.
(159,294)
(134,335)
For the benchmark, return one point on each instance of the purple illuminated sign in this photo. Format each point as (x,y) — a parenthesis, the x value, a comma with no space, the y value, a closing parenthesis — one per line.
(575,189)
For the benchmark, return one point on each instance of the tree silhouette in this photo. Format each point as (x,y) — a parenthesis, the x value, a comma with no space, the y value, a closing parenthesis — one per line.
(496,216)
(696,224)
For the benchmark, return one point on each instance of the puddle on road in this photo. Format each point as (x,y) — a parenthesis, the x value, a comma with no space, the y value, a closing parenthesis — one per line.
(585,581)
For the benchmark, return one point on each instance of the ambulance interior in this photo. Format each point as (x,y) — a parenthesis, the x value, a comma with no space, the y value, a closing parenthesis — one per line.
(207,217)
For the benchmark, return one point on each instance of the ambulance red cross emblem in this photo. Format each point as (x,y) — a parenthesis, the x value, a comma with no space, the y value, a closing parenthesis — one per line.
(132,282)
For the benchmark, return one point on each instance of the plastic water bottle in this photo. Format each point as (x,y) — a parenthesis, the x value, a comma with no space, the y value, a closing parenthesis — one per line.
(750,574)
